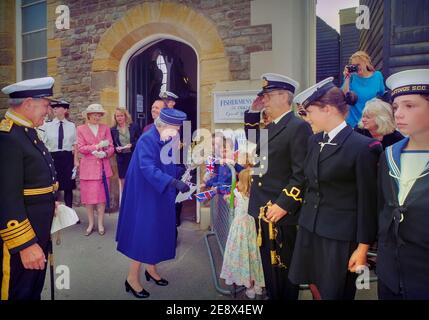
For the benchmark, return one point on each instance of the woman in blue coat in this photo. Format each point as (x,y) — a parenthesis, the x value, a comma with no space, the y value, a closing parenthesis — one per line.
(147,223)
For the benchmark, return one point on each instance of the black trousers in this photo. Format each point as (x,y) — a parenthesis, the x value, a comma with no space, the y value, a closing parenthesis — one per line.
(384,293)
(64,163)
(277,283)
(17,282)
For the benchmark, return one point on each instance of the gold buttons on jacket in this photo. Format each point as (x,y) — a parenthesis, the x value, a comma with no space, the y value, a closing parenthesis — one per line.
(260,184)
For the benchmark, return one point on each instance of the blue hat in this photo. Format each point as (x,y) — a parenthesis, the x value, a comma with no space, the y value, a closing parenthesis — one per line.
(414,81)
(274,81)
(60,103)
(172,117)
(31,88)
(305,98)
(167,95)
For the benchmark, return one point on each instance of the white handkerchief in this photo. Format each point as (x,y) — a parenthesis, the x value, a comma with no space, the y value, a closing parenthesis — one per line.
(64,218)
(185,196)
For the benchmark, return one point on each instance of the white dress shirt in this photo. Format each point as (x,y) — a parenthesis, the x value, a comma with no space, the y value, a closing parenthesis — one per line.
(336,131)
(50,135)
(276,120)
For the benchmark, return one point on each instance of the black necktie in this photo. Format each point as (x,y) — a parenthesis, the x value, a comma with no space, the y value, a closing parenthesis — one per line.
(325,138)
(60,136)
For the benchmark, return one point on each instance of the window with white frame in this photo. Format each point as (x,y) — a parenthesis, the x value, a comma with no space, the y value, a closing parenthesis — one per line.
(160,62)
(33,38)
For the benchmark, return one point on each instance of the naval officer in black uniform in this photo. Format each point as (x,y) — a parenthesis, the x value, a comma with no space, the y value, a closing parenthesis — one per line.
(27,191)
(403,223)
(338,219)
(278,178)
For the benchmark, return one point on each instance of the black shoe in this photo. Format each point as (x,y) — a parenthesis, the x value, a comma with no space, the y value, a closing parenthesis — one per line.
(161,282)
(141,295)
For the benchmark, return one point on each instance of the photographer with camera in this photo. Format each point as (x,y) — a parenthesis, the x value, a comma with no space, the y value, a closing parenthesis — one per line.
(361,78)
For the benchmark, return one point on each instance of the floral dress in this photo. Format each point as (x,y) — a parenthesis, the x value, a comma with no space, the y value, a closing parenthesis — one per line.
(242,260)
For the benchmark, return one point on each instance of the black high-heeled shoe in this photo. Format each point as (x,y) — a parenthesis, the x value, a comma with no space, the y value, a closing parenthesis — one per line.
(141,295)
(160,282)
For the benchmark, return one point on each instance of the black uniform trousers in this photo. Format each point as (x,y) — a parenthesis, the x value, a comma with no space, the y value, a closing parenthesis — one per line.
(64,163)
(277,282)
(384,293)
(21,283)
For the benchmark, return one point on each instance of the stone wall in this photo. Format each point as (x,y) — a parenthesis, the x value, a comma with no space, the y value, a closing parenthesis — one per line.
(7,48)
(91,19)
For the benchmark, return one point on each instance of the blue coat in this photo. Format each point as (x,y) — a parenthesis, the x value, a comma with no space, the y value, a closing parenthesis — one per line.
(147,222)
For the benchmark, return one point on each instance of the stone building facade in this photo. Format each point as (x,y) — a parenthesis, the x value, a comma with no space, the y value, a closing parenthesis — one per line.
(235,42)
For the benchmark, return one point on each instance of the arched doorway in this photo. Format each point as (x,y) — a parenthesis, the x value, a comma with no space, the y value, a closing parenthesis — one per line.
(143,26)
(163,65)
(170,65)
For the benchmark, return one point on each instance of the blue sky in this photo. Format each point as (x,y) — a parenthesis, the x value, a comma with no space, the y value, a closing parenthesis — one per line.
(328,10)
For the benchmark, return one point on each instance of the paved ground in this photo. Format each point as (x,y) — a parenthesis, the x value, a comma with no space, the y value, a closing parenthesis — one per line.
(98,271)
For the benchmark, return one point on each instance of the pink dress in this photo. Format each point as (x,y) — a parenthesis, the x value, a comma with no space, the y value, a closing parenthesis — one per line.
(90,169)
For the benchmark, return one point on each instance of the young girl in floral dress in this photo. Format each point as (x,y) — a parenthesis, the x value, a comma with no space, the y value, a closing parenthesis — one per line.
(242,261)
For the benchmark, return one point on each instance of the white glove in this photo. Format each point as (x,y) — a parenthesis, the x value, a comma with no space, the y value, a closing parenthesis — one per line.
(99,154)
(103,144)
(74,172)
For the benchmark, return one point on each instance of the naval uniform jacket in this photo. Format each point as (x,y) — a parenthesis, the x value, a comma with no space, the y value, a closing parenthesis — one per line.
(403,232)
(340,200)
(283,181)
(27,192)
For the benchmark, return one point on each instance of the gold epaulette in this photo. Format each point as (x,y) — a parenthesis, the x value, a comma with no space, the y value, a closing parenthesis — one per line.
(17,233)
(6,125)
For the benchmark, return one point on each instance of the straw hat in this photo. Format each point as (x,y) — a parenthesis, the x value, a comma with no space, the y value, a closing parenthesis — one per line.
(93,108)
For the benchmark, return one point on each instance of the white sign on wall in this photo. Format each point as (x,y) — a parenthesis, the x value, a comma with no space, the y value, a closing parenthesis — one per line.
(229,106)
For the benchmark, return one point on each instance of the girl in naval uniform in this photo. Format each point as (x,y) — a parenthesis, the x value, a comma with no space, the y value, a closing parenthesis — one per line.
(337,222)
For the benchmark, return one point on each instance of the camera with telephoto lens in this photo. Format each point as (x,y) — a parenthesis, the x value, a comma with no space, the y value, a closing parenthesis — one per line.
(352,68)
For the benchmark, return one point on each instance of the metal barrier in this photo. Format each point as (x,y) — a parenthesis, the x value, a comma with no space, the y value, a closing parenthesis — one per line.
(221,216)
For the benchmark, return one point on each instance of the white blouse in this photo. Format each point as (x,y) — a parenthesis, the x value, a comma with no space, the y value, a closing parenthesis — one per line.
(413,163)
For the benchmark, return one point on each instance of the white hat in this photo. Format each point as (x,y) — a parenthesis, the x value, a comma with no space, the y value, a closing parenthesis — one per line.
(414,81)
(93,108)
(168,95)
(275,81)
(305,98)
(31,88)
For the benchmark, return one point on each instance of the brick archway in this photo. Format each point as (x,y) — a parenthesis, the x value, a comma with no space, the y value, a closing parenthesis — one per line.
(161,18)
